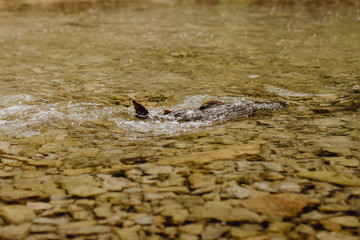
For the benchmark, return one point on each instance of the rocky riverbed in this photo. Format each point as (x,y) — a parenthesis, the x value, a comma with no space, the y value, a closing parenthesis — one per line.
(221,184)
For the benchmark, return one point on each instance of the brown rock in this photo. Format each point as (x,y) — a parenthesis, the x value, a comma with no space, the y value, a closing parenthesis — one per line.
(39,206)
(75,225)
(51,221)
(4,174)
(36,228)
(88,230)
(305,229)
(239,233)
(335,236)
(192,229)
(90,152)
(113,183)
(329,225)
(74,181)
(5,147)
(17,214)
(332,177)
(272,176)
(45,163)
(177,214)
(283,205)
(10,195)
(211,156)
(346,221)
(342,161)
(214,232)
(184,236)
(75,172)
(280,227)
(130,233)
(103,211)
(86,191)
(15,232)
(198,180)
(154,169)
(223,211)
(238,192)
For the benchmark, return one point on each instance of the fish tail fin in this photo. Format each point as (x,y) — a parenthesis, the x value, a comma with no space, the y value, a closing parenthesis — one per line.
(140,110)
(166,111)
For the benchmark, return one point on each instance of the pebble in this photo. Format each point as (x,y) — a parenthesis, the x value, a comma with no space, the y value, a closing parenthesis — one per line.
(283,205)
(15,232)
(290,187)
(177,214)
(192,229)
(76,172)
(4,174)
(214,232)
(144,220)
(12,195)
(17,214)
(90,152)
(280,227)
(211,156)
(199,180)
(346,221)
(51,221)
(40,206)
(86,191)
(156,170)
(114,184)
(331,177)
(5,147)
(238,192)
(128,233)
(88,230)
(305,229)
(223,211)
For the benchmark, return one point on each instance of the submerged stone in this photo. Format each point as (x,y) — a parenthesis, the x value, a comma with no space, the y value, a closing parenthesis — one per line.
(332,177)
(346,221)
(17,214)
(211,156)
(15,232)
(86,191)
(283,205)
(223,211)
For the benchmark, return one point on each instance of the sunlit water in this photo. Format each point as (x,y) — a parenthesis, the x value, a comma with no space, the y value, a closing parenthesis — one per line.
(75,67)
(26,116)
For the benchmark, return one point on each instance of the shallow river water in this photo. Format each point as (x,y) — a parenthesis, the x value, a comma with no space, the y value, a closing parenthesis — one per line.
(68,73)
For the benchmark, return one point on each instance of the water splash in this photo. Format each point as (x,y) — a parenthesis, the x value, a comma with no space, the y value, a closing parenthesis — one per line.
(26,116)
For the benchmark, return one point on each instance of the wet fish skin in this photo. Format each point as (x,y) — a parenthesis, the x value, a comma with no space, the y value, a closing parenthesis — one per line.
(210,110)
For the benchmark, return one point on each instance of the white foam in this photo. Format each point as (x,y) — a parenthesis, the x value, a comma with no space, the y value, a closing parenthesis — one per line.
(24,115)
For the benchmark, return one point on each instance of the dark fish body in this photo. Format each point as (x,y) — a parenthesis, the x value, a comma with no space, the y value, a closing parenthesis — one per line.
(210,110)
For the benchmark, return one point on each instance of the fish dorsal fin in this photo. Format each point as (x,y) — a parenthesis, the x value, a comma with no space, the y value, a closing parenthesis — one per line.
(210,103)
(141,111)
(167,111)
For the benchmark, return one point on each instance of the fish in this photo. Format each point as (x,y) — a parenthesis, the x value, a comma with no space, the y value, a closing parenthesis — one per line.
(211,110)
